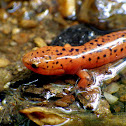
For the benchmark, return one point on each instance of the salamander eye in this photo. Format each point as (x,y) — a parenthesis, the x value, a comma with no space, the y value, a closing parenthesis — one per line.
(34,65)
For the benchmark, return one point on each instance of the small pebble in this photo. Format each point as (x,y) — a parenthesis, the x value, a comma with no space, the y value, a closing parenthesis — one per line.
(6,28)
(1,108)
(28,23)
(21,37)
(5,76)
(4,62)
(4,102)
(13,43)
(35,48)
(15,30)
(7,85)
(112,88)
(123,98)
(39,42)
(42,15)
(110,98)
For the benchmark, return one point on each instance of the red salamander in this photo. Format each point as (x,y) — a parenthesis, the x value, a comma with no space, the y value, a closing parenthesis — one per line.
(57,60)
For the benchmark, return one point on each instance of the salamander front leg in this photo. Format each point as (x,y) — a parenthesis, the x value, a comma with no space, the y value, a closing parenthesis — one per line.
(85,79)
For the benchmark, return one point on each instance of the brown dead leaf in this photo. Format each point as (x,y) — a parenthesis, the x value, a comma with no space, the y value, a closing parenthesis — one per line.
(43,116)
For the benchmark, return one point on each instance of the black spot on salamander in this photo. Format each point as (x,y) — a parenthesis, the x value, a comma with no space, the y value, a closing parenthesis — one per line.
(110,49)
(57,50)
(57,62)
(61,65)
(77,50)
(103,40)
(104,55)
(42,51)
(53,62)
(47,66)
(66,58)
(47,62)
(52,66)
(85,48)
(89,59)
(63,49)
(108,36)
(71,50)
(59,54)
(99,44)
(70,60)
(111,53)
(115,50)
(83,57)
(123,35)
(92,43)
(96,40)
(37,52)
(98,57)
(121,49)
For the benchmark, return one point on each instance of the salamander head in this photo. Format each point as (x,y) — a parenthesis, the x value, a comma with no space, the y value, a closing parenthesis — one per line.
(42,63)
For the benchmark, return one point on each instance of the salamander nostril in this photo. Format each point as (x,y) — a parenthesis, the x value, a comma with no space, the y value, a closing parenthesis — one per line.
(34,66)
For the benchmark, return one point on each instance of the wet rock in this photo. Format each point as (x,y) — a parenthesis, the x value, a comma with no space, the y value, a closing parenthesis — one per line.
(118,107)
(103,108)
(89,97)
(56,90)
(32,90)
(105,14)
(77,35)
(65,101)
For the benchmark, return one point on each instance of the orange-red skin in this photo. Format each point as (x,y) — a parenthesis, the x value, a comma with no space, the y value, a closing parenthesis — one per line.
(57,60)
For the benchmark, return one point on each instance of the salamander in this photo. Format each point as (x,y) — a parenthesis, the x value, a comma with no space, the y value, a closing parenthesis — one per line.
(58,60)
